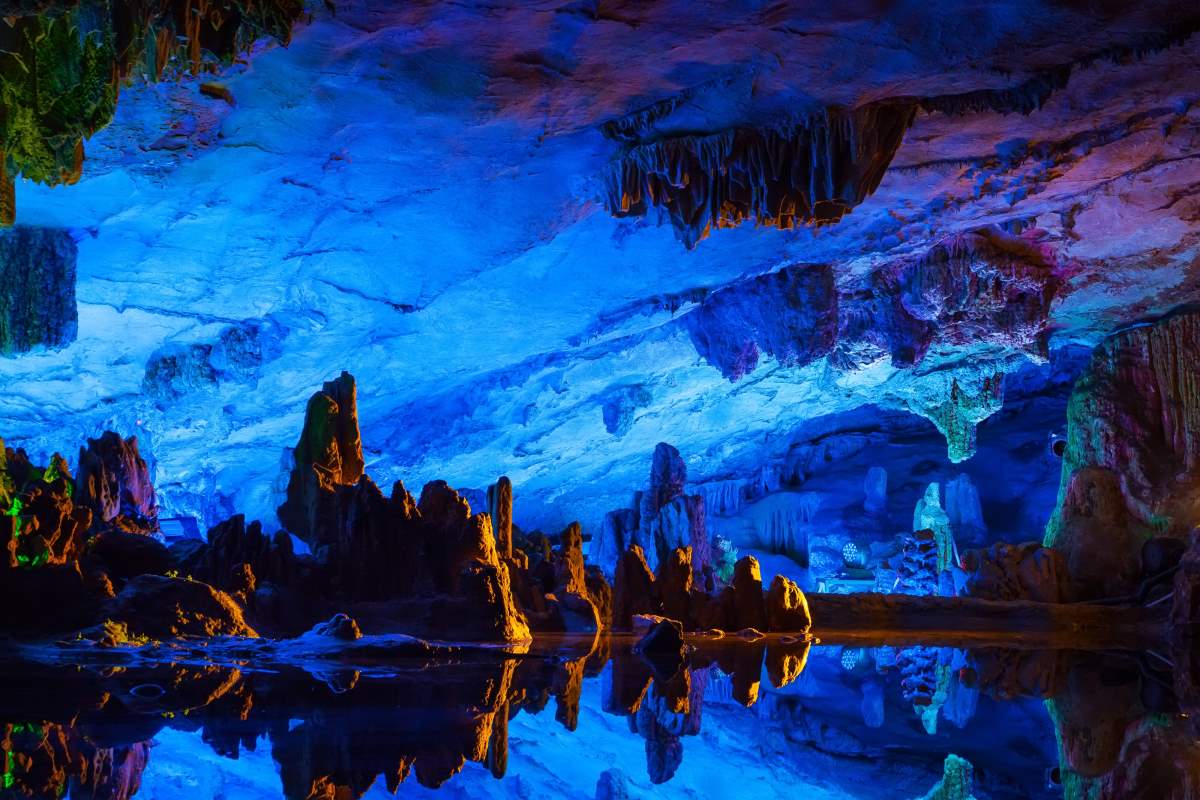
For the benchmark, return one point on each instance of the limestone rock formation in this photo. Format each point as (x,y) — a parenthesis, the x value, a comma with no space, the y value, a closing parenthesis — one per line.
(790,315)
(328,455)
(1026,571)
(917,571)
(90,54)
(37,272)
(748,594)
(114,482)
(1132,454)
(634,589)
(930,516)
(662,519)
(960,410)
(957,783)
(163,608)
(40,524)
(814,173)
(787,609)
(579,613)
(500,506)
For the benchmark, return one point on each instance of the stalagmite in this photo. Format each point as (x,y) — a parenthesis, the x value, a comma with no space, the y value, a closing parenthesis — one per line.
(500,506)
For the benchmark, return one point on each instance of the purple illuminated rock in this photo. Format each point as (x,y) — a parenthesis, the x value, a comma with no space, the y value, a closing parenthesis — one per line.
(790,315)
(663,518)
(114,482)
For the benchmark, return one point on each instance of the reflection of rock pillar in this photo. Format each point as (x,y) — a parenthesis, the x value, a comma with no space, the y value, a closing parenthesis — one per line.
(500,504)
(497,754)
(568,688)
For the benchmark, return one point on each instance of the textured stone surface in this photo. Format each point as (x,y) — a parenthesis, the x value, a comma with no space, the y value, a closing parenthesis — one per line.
(162,608)
(787,609)
(1132,453)
(114,481)
(37,289)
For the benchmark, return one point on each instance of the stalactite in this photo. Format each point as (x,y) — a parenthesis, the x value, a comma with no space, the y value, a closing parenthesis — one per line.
(960,412)
(815,172)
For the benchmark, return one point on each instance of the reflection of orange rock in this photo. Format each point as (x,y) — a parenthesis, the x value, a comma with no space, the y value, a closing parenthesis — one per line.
(785,662)
(42,759)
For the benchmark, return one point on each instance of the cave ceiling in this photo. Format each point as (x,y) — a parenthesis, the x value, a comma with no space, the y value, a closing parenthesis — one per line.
(546,236)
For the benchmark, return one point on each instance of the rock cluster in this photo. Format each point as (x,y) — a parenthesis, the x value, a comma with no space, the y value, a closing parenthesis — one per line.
(737,606)
(426,566)
(78,552)
(662,519)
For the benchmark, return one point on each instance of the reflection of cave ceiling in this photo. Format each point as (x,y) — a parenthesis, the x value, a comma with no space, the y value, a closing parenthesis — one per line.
(421,194)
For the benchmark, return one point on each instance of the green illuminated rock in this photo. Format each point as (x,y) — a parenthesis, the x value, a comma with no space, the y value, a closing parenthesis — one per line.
(61,71)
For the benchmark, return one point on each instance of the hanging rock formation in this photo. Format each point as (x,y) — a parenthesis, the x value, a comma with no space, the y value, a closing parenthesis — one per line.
(37,273)
(815,172)
(984,288)
(957,413)
(791,315)
(1132,457)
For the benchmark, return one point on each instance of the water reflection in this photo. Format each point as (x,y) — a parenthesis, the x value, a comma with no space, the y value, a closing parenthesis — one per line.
(845,722)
